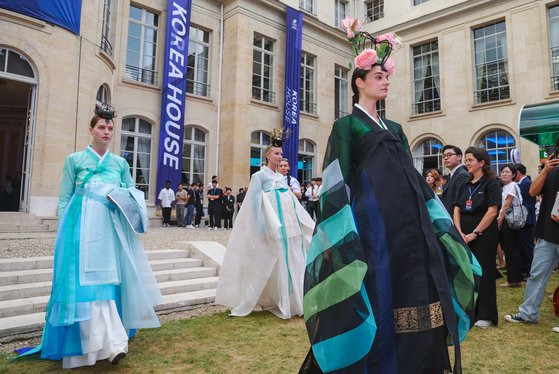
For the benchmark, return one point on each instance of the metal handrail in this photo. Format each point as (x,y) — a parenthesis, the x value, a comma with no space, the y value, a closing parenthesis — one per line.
(141,75)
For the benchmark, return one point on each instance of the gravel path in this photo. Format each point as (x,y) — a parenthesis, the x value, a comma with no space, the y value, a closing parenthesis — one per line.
(42,244)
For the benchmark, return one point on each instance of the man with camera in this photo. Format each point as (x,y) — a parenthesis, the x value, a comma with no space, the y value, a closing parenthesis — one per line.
(546,251)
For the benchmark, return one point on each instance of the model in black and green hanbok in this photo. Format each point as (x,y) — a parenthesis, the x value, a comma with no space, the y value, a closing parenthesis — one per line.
(389,281)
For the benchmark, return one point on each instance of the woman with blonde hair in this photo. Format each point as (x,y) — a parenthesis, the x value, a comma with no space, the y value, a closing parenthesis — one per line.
(264,265)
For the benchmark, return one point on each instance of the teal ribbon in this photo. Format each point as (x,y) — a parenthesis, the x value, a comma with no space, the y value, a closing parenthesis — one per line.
(284,237)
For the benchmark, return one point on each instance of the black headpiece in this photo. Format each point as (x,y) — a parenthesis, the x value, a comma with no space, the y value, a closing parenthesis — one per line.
(105,111)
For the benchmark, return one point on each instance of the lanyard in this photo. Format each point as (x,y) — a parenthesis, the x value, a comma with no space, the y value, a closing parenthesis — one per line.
(474,191)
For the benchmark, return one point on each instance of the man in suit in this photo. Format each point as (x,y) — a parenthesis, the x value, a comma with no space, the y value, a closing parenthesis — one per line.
(198,203)
(526,234)
(452,159)
(229,208)
(215,206)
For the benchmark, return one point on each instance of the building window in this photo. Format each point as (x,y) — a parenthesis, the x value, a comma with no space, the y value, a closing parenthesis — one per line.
(194,155)
(308,96)
(197,75)
(307,5)
(263,69)
(12,62)
(102,96)
(305,164)
(499,144)
(339,12)
(259,140)
(426,80)
(417,2)
(142,46)
(106,27)
(381,108)
(554,45)
(135,148)
(374,10)
(490,45)
(428,155)
(340,92)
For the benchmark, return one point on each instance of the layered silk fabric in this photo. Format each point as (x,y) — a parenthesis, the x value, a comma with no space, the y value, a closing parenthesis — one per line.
(98,256)
(388,276)
(266,254)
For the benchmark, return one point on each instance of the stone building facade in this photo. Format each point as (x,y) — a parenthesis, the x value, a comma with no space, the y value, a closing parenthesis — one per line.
(235,83)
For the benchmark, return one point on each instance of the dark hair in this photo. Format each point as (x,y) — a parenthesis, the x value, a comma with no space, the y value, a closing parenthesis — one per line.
(96,119)
(359,73)
(167,181)
(481,154)
(241,189)
(194,184)
(180,184)
(521,169)
(456,150)
(318,179)
(214,176)
(228,189)
(214,180)
(513,168)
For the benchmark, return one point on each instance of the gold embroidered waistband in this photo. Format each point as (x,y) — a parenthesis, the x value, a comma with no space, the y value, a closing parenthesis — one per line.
(419,318)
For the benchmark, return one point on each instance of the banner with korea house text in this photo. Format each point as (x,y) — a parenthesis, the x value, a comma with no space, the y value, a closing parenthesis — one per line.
(173,97)
(293,46)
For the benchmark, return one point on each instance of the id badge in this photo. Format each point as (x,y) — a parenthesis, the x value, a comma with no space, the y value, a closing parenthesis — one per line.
(469,204)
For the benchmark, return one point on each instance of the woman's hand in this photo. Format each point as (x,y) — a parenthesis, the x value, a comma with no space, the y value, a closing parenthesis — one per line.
(463,236)
(468,238)
(500,220)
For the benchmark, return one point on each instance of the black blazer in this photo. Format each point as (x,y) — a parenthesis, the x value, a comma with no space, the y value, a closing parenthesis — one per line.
(460,177)
(218,192)
(528,201)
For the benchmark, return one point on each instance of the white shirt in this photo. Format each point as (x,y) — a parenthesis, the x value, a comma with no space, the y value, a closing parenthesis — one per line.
(513,190)
(312,190)
(294,184)
(454,170)
(101,158)
(167,196)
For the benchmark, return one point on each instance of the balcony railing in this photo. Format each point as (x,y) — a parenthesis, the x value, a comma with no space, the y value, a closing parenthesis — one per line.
(106,45)
(426,106)
(555,82)
(197,88)
(141,75)
(262,94)
(307,106)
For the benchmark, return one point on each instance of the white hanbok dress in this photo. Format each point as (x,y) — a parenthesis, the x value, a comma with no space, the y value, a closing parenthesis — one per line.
(264,264)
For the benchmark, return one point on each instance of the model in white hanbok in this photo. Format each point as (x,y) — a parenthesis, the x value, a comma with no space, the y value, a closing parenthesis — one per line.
(264,264)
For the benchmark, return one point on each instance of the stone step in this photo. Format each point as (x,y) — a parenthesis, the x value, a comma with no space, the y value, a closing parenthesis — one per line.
(46,262)
(178,263)
(181,300)
(15,291)
(24,228)
(20,221)
(36,304)
(34,322)
(183,274)
(25,276)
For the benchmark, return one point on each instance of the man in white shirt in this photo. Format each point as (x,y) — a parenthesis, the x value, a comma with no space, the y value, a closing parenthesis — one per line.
(312,194)
(166,198)
(293,183)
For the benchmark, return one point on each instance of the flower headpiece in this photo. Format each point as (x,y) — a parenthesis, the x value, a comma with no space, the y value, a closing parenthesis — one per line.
(105,111)
(279,136)
(371,50)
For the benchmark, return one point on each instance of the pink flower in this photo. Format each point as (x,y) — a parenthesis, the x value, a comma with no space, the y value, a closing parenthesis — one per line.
(392,38)
(390,66)
(366,59)
(351,26)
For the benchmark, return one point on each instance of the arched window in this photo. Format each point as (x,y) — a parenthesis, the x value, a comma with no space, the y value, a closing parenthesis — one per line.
(498,143)
(259,140)
(305,166)
(194,155)
(12,62)
(428,155)
(135,147)
(102,96)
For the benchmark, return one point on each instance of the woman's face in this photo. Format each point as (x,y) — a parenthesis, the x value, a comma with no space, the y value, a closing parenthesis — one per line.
(374,85)
(274,156)
(429,179)
(102,133)
(506,175)
(472,164)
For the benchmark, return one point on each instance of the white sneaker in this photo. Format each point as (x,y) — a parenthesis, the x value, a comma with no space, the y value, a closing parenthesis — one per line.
(215,228)
(555,329)
(210,228)
(197,226)
(189,227)
(483,324)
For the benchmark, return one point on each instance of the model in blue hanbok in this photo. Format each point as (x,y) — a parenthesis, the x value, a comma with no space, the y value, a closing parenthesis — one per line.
(103,287)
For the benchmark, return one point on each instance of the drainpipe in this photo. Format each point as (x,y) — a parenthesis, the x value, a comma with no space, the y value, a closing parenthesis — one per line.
(219,91)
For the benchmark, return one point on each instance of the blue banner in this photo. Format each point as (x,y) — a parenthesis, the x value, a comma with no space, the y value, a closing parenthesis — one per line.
(64,13)
(293,46)
(173,98)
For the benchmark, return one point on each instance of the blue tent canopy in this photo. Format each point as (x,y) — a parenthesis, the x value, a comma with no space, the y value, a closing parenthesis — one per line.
(64,13)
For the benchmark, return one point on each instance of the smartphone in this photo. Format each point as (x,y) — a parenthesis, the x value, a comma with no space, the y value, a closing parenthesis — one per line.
(552,150)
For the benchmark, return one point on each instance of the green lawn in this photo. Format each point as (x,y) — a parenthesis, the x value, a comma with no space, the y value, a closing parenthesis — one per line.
(262,343)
